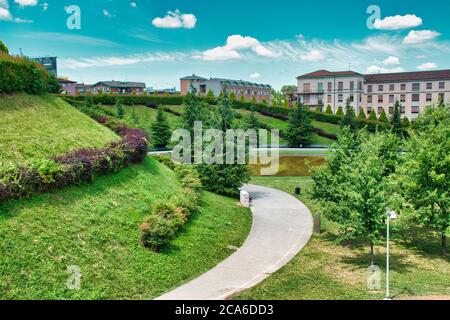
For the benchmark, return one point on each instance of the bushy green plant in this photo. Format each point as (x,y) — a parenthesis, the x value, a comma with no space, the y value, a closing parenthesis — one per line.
(161,132)
(383,117)
(362,115)
(47,169)
(329,110)
(156,232)
(405,122)
(300,128)
(340,112)
(349,119)
(120,113)
(372,116)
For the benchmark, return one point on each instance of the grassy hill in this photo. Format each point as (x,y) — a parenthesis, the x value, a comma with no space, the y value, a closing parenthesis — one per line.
(44,126)
(95,226)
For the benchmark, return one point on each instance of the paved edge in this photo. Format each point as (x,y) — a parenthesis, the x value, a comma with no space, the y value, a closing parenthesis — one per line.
(282,226)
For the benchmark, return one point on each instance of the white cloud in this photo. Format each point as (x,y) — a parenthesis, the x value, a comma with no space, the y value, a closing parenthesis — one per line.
(255,75)
(422,36)
(235,43)
(44,6)
(4,4)
(5,14)
(392,61)
(20,20)
(25,3)
(377,69)
(313,55)
(398,22)
(175,20)
(427,66)
(133,4)
(108,14)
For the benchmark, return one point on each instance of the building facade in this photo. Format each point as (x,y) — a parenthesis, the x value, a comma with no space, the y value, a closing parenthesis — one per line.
(118,87)
(68,87)
(49,63)
(414,90)
(247,90)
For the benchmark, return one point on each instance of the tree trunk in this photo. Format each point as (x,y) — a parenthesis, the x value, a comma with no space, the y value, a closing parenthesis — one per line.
(372,254)
(443,245)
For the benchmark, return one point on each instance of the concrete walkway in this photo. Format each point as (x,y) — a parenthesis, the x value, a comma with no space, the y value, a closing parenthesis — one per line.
(282,226)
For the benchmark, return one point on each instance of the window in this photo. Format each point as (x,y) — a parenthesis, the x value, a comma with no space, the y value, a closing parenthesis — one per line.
(391,110)
(380,110)
(429,86)
(352,85)
(402,109)
(369,99)
(352,98)
(429,97)
(415,110)
(369,88)
(360,85)
(441,95)
(380,88)
(340,86)
(340,98)
(380,98)
(329,98)
(391,87)
(416,86)
(403,87)
(391,98)
(320,87)
(403,98)
(441,85)
(306,87)
(416,97)
(369,110)
(330,86)
(306,99)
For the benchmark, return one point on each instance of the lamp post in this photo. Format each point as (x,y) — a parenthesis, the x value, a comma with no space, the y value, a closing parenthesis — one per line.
(390,215)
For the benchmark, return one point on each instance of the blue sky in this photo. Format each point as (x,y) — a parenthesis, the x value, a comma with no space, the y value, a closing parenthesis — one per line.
(159,41)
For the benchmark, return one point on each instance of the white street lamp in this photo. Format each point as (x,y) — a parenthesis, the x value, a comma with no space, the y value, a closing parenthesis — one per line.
(390,215)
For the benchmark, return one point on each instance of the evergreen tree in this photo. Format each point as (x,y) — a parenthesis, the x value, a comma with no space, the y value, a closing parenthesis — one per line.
(134,118)
(3,48)
(405,122)
(242,98)
(252,121)
(383,117)
(232,97)
(300,128)
(329,110)
(120,113)
(161,132)
(372,115)
(254,99)
(89,101)
(396,122)
(193,111)
(349,119)
(362,115)
(340,112)
(224,115)
(210,94)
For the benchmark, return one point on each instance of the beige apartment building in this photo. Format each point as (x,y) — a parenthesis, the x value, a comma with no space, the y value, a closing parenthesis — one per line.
(414,90)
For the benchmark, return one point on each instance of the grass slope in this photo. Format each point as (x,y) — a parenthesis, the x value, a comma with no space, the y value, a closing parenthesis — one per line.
(45,126)
(95,226)
(326,270)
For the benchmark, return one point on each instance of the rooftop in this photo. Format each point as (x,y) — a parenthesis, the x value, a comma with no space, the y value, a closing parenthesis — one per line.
(326,74)
(120,84)
(408,76)
(193,77)
(62,80)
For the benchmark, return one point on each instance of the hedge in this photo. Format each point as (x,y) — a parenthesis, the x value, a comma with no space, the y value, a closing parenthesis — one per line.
(18,74)
(75,167)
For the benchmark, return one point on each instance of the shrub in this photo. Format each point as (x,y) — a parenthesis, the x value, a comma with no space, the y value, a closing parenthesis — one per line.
(48,170)
(383,117)
(340,112)
(362,115)
(405,122)
(329,110)
(156,232)
(372,115)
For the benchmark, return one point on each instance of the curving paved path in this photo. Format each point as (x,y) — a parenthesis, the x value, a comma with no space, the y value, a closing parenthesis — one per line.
(282,225)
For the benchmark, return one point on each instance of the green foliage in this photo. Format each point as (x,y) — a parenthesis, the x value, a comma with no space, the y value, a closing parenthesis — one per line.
(424,177)
(329,110)
(372,115)
(340,112)
(252,121)
(242,98)
(352,186)
(254,99)
(397,127)
(383,117)
(232,96)
(210,94)
(193,111)
(47,169)
(224,115)
(161,132)
(349,119)
(300,128)
(120,113)
(405,122)
(362,115)
(3,48)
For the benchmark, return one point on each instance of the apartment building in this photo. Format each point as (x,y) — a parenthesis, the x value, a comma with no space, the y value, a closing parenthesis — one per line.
(414,90)
(68,86)
(118,87)
(249,90)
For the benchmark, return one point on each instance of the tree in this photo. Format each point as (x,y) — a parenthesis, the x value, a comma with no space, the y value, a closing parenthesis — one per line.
(329,110)
(349,119)
(210,94)
(252,121)
(120,113)
(352,185)
(232,96)
(362,114)
(372,115)
(383,117)
(242,98)
(340,112)
(134,118)
(405,122)
(89,101)
(3,48)
(53,85)
(396,122)
(254,99)
(193,111)
(161,132)
(224,178)
(300,128)
(424,177)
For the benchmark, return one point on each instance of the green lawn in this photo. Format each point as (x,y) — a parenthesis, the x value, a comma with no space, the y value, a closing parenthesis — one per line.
(95,226)
(326,270)
(45,126)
